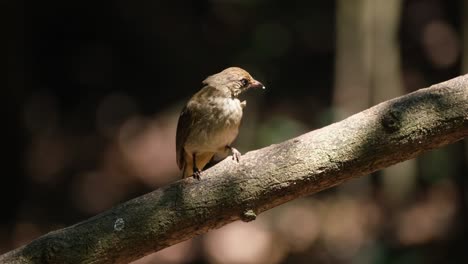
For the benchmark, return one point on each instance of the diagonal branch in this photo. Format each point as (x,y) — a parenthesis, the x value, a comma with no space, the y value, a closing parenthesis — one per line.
(391,132)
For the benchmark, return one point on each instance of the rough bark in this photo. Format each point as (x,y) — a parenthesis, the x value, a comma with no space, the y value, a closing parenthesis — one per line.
(391,132)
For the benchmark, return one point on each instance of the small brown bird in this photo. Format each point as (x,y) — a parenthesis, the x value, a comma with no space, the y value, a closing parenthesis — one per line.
(210,121)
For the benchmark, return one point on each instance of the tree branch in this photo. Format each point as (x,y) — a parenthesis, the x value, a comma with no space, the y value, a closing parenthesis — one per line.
(376,138)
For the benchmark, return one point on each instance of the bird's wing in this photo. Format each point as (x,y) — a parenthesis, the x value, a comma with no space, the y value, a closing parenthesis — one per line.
(183,130)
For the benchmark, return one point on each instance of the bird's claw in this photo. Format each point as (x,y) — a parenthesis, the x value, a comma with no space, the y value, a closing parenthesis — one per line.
(235,154)
(196,174)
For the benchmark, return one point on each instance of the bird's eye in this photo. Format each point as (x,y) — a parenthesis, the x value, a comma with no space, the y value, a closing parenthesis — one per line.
(244,82)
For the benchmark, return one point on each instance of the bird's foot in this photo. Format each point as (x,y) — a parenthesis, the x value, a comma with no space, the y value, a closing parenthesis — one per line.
(235,154)
(243,103)
(196,174)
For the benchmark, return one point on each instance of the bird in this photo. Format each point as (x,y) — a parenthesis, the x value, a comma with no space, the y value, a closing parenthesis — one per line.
(209,122)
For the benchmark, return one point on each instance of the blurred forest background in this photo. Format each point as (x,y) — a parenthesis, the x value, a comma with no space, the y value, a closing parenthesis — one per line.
(93,90)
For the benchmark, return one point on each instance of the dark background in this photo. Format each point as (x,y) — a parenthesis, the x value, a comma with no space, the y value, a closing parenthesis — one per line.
(92,91)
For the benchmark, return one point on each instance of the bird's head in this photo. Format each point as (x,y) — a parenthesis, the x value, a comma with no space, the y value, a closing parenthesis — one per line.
(233,80)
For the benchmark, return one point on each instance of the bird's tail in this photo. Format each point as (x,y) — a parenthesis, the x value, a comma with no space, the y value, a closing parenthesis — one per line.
(201,159)
(187,170)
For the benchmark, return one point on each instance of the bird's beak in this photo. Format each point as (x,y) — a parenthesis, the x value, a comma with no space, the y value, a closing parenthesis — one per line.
(256,84)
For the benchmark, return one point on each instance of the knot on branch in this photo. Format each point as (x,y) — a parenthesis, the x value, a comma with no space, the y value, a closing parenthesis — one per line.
(248,215)
(391,120)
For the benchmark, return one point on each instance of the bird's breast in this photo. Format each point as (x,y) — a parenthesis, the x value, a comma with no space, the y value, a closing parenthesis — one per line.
(218,126)
(227,111)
